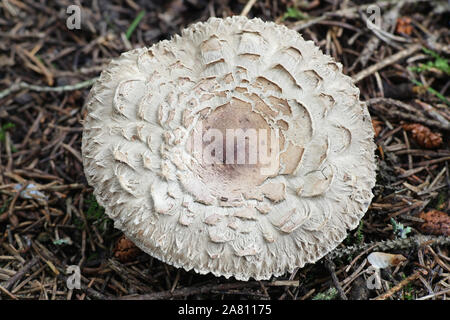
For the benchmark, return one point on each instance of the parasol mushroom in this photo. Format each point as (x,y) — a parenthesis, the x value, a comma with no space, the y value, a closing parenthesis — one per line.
(237,148)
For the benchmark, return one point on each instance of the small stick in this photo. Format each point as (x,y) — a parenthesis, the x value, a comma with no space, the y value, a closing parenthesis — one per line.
(23,85)
(13,202)
(332,268)
(399,286)
(74,152)
(433,112)
(308,294)
(247,7)
(19,274)
(282,283)
(358,256)
(395,103)
(386,62)
(184,292)
(60,187)
(5,291)
(381,109)
(434,294)
(95,294)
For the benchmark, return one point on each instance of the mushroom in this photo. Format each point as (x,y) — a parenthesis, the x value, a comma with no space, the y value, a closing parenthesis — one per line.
(237,148)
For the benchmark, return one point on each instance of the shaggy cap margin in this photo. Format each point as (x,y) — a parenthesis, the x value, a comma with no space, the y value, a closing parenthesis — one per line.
(145,107)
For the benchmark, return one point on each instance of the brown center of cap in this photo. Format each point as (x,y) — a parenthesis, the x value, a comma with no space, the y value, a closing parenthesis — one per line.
(241,159)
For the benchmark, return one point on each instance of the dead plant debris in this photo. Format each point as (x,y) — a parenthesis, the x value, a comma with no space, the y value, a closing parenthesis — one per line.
(423,136)
(435,222)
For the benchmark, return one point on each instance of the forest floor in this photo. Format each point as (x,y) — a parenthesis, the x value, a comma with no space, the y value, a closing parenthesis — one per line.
(49,219)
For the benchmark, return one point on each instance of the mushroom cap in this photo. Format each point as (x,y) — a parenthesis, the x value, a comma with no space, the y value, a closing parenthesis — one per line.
(245,219)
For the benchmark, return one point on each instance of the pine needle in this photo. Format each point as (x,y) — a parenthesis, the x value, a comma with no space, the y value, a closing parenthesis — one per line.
(134,24)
